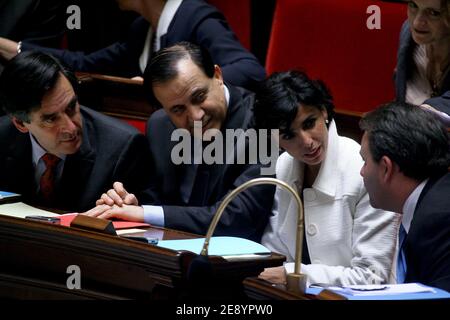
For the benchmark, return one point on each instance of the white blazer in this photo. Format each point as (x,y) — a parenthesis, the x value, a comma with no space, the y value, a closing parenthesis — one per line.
(349,242)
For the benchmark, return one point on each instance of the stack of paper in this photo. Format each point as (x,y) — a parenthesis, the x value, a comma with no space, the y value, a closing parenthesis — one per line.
(388,289)
(21,210)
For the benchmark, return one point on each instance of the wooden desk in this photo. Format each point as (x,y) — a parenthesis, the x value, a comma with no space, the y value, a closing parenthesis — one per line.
(115,96)
(34,258)
(262,290)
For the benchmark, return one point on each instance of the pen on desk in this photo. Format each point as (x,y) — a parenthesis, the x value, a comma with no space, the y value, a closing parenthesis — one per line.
(368,287)
(53,220)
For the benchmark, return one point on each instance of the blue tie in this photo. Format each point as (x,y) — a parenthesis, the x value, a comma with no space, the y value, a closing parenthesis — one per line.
(401,261)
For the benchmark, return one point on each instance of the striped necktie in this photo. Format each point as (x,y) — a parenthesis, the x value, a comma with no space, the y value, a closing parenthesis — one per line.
(47,182)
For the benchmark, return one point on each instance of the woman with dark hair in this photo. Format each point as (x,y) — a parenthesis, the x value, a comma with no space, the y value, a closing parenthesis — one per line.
(423,66)
(347,241)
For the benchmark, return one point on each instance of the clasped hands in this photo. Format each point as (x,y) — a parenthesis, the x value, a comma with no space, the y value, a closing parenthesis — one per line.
(117,203)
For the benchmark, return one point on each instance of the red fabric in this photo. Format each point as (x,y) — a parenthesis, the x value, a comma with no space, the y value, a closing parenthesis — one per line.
(329,40)
(237,13)
(138,124)
(47,181)
(66,220)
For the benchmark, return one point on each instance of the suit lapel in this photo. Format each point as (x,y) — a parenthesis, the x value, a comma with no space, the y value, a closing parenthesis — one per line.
(237,118)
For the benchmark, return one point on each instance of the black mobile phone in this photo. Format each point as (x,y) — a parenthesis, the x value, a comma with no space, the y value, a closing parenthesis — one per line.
(53,220)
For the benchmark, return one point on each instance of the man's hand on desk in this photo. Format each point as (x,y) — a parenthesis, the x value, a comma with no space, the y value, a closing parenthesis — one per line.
(117,196)
(125,212)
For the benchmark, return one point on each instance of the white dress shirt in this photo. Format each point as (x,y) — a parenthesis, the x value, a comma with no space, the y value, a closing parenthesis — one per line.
(169,11)
(38,164)
(410,205)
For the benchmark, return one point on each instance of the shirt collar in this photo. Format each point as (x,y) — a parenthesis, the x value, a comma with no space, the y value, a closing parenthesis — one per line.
(327,177)
(326,180)
(410,205)
(227,94)
(38,151)
(169,11)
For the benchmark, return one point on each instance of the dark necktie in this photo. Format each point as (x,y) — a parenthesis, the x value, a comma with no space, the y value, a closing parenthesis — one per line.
(401,260)
(47,182)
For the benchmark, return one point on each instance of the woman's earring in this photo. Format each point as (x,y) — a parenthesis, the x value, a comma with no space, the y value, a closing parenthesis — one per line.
(326,121)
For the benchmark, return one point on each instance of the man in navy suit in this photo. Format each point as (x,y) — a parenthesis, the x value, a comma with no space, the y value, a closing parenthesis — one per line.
(163,23)
(407,156)
(183,80)
(441,103)
(55,152)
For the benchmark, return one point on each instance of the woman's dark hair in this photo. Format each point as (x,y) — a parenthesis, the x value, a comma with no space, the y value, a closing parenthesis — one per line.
(26,79)
(411,137)
(163,65)
(280,96)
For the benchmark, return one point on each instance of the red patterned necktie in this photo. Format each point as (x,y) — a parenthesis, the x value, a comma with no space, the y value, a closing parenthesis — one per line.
(47,183)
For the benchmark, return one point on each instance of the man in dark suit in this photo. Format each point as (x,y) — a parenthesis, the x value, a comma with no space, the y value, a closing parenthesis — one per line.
(196,101)
(406,153)
(54,152)
(39,21)
(441,103)
(163,23)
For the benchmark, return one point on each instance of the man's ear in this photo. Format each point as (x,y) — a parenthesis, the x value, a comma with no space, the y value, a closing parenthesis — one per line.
(218,73)
(19,125)
(387,169)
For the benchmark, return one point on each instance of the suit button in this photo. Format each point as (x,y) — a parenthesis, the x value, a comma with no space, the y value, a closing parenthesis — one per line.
(309,195)
(312,229)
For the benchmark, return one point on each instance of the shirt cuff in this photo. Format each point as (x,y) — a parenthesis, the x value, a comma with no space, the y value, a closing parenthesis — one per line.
(154,215)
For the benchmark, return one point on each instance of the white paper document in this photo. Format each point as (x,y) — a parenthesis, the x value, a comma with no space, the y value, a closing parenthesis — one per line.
(21,210)
(373,290)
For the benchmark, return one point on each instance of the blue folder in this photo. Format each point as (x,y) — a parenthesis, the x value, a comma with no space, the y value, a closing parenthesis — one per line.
(218,246)
(437,294)
(5,194)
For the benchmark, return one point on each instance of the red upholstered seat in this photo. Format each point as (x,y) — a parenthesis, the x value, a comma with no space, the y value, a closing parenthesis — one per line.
(237,13)
(138,124)
(329,40)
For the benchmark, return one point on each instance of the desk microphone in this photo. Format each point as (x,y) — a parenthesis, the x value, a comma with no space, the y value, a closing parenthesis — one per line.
(200,268)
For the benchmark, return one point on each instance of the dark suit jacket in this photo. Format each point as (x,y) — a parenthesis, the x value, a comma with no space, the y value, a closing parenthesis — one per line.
(441,103)
(110,151)
(427,246)
(246,216)
(405,64)
(196,22)
(38,21)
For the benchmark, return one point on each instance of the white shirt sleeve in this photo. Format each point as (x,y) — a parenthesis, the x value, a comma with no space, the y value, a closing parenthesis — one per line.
(154,215)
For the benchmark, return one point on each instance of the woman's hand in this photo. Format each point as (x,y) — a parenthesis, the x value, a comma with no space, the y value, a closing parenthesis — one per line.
(275,275)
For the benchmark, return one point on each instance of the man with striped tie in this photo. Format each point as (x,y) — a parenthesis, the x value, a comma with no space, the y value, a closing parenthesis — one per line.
(407,156)
(54,152)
